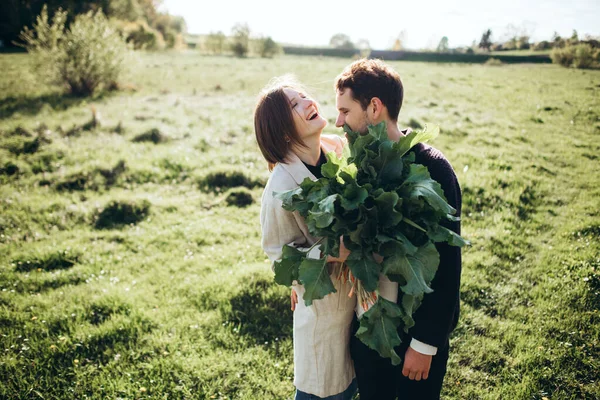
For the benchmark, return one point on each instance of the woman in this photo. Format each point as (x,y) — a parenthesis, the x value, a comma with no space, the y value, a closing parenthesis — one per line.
(289,127)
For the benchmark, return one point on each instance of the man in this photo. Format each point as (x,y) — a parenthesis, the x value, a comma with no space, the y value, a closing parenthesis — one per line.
(367,93)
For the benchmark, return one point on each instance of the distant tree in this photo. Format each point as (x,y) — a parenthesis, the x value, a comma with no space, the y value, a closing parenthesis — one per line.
(17,14)
(522,42)
(399,41)
(341,41)
(443,45)
(267,47)
(486,40)
(574,37)
(87,57)
(557,41)
(240,39)
(215,42)
(363,44)
(543,45)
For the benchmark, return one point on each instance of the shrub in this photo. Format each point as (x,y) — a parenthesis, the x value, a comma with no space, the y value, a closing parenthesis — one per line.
(153,135)
(239,197)
(241,39)
(267,48)
(579,56)
(215,42)
(414,124)
(89,56)
(118,213)
(227,178)
(9,169)
(562,55)
(585,56)
(493,62)
(543,45)
(141,35)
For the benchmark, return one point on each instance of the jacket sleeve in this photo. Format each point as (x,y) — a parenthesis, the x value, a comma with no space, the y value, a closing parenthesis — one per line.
(281,227)
(438,314)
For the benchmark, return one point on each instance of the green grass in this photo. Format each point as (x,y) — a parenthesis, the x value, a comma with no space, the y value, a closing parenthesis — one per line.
(179,301)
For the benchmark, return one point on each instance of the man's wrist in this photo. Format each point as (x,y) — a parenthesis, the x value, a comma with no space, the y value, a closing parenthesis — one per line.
(423,348)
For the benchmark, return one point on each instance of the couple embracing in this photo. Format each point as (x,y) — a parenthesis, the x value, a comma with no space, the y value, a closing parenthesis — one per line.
(329,361)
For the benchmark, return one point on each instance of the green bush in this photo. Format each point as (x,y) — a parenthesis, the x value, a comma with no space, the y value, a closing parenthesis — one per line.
(267,47)
(579,56)
(118,213)
(241,40)
(141,35)
(219,179)
(493,62)
(239,197)
(562,55)
(585,56)
(89,56)
(153,135)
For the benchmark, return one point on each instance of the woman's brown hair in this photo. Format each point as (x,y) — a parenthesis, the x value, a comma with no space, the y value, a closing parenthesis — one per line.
(274,122)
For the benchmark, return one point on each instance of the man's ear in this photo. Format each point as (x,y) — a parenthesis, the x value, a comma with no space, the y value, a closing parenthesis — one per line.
(375,109)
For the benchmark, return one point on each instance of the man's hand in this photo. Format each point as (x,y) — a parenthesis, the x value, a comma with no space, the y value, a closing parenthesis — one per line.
(344,253)
(416,365)
(294,299)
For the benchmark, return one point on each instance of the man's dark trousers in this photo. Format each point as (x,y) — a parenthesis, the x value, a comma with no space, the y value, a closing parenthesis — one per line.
(378,379)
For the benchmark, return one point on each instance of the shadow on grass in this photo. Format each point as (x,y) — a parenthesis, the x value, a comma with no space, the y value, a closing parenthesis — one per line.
(261,312)
(47,262)
(32,105)
(41,285)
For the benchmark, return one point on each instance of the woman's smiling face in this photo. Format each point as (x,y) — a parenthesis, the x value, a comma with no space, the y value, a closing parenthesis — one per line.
(307,119)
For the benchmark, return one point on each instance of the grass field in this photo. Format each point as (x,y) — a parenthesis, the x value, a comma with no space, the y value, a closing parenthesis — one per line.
(180,303)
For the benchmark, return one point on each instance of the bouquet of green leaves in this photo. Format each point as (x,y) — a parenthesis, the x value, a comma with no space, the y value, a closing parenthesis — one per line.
(381,202)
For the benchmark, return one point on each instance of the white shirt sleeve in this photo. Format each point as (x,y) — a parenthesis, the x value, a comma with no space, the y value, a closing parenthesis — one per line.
(423,348)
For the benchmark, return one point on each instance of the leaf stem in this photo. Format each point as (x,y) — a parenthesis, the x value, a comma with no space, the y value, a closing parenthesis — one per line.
(412,223)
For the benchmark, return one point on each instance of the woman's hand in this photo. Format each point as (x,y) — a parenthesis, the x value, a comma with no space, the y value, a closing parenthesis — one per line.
(294,299)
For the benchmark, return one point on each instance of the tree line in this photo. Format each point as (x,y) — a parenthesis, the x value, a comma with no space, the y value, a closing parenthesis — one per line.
(138,21)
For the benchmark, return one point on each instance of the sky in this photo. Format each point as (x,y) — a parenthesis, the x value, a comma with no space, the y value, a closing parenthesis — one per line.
(421,22)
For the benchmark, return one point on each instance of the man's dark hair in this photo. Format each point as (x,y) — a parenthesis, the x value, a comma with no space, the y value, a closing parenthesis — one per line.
(372,78)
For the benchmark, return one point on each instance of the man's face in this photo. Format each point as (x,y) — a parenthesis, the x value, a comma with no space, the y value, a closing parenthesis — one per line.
(350,112)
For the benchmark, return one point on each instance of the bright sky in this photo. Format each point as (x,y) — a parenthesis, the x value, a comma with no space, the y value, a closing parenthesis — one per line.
(381,21)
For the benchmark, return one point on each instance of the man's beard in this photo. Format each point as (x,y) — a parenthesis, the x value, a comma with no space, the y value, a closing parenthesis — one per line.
(364,128)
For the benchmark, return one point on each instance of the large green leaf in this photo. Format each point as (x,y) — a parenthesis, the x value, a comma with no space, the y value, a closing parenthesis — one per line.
(286,269)
(366,269)
(379,131)
(407,142)
(389,164)
(417,269)
(378,328)
(318,191)
(332,166)
(323,216)
(288,197)
(409,305)
(387,210)
(419,184)
(440,233)
(353,196)
(314,275)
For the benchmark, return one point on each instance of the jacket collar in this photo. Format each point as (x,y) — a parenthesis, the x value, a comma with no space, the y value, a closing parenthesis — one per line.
(296,168)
